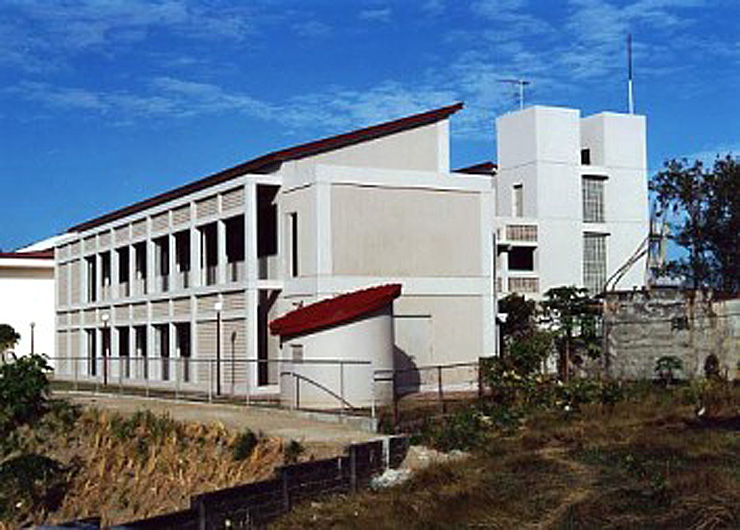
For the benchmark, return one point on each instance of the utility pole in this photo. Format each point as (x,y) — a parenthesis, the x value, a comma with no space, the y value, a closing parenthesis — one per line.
(630,90)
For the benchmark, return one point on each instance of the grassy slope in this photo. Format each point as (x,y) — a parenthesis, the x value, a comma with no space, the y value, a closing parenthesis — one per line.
(645,464)
(128,468)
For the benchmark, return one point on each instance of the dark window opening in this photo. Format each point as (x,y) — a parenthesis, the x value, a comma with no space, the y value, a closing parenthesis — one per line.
(235,248)
(92,295)
(586,157)
(162,246)
(267,238)
(141,351)
(521,259)
(184,348)
(105,274)
(123,271)
(294,244)
(209,253)
(182,259)
(140,268)
(124,351)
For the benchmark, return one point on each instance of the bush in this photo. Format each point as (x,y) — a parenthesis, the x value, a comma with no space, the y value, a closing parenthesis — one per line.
(293,451)
(666,368)
(29,484)
(24,391)
(245,443)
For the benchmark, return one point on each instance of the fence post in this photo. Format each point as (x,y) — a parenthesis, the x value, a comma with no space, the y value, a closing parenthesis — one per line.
(353,468)
(210,381)
(286,488)
(373,391)
(341,386)
(395,403)
(76,369)
(440,390)
(178,373)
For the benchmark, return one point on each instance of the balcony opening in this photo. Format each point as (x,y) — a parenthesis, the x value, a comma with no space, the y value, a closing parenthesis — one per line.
(124,272)
(92,354)
(140,268)
(162,263)
(183,343)
(105,275)
(209,253)
(182,259)
(91,274)
(140,341)
(267,239)
(124,351)
(234,248)
(521,259)
(268,346)
(163,345)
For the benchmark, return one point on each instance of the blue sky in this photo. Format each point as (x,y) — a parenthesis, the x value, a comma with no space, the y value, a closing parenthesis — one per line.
(105,102)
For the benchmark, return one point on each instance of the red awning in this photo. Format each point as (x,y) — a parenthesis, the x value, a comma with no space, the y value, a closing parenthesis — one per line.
(334,311)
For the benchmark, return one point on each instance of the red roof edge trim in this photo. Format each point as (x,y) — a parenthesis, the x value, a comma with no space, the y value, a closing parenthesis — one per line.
(263,163)
(38,254)
(484,168)
(335,311)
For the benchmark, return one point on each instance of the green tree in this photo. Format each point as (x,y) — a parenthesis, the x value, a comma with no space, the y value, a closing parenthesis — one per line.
(573,317)
(9,337)
(702,206)
(24,391)
(520,319)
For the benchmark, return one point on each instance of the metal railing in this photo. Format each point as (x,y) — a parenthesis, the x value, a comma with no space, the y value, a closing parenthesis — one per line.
(342,386)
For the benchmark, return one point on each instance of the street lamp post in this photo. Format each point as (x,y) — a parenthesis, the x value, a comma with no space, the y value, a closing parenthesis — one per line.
(33,349)
(106,345)
(218,306)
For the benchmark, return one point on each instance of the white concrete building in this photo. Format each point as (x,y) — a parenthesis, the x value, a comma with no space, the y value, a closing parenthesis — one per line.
(167,285)
(571,199)
(27,296)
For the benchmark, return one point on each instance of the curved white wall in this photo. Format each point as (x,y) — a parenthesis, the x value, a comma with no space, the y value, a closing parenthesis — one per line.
(320,385)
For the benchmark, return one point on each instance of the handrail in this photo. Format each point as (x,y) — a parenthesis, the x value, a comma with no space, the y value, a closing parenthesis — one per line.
(320,387)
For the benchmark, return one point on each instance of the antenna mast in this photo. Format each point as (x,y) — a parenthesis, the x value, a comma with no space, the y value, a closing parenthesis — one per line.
(520,84)
(630,93)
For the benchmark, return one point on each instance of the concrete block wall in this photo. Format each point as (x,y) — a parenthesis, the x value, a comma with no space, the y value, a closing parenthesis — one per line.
(642,326)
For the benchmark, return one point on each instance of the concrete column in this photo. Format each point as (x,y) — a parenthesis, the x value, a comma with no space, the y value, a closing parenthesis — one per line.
(221,252)
(173,273)
(195,256)
(114,276)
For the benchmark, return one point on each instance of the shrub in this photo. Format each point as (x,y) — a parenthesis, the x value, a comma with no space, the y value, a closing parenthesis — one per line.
(244,445)
(24,389)
(293,451)
(29,484)
(666,368)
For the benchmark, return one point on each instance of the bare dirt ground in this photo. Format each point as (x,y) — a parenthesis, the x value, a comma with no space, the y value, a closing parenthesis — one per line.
(273,422)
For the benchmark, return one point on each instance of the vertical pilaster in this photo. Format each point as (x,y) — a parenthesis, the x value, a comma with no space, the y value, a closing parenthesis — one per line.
(221,251)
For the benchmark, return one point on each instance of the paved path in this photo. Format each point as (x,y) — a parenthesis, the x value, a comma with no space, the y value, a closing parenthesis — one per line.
(281,423)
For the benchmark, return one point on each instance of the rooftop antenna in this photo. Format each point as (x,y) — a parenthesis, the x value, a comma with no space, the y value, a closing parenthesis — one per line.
(630,93)
(520,83)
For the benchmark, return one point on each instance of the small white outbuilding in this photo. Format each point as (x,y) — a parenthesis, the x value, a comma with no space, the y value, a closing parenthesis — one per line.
(331,350)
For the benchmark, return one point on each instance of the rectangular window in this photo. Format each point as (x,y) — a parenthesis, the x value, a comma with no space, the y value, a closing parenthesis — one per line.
(593,199)
(521,259)
(586,157)
(91,268)
(293,244)
(517,198)
(594,262)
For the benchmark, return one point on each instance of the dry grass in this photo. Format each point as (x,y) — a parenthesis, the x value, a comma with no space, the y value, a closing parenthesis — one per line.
(643,463)
(129,468)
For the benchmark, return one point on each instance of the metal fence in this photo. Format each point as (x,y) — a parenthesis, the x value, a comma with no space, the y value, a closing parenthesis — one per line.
(341,386)
(234,380)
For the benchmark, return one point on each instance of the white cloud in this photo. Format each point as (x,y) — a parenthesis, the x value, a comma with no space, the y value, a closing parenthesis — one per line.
(376,15)
(311,29)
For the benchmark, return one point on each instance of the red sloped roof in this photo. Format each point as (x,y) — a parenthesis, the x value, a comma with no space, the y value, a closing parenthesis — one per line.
(267,163)
(334,311)
(38,254)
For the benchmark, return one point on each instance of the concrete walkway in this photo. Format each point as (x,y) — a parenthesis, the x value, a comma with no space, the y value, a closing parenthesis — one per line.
(275,422)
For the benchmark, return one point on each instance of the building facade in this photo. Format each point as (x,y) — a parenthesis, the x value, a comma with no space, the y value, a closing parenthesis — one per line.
(571,199)
(196,274)
(166,286)
(27,297)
